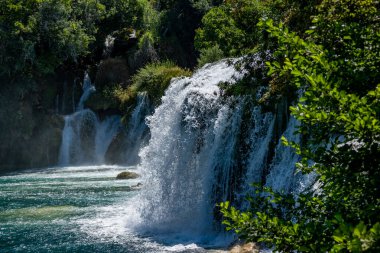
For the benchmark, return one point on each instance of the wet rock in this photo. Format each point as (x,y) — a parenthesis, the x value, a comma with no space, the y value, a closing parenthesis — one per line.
(112,71)
(137,186)
(127,175)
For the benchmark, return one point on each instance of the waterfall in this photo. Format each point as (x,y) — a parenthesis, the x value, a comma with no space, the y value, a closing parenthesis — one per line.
(177,162)
(137,130)
(85,139)
(88,89)
(78,138)
(281,176)
(106,130)
(206,148)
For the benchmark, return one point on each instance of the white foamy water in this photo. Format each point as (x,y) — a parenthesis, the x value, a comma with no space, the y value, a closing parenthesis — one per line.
(206,148)
(177,164)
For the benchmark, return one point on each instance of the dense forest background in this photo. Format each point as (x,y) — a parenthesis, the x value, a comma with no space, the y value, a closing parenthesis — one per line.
(328,50)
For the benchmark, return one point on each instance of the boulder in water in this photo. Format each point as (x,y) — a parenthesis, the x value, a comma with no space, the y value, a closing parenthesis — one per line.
(127,175)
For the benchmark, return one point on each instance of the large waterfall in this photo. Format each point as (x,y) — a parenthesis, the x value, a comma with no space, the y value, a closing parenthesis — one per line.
(202,147)
(206,147)
(85,138)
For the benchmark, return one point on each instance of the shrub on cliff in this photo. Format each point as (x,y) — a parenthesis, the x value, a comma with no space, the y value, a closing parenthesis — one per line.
(153,79)
(209,55)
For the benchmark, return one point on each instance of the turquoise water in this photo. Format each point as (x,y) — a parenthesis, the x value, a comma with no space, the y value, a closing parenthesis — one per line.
(73,209)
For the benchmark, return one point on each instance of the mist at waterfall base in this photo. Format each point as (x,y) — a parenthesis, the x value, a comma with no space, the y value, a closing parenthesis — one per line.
(204,148)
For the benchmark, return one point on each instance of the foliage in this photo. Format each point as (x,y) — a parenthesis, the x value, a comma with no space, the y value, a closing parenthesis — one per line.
(231,26)
(153,78)
(339,111)
(350,31)
(209,55)
(37,36)
(123,13)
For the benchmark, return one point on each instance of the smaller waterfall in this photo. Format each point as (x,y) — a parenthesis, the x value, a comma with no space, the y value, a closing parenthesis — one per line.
(85,138)
(88,89)
(137,129)
(78,138)
(106,130)
(282,169)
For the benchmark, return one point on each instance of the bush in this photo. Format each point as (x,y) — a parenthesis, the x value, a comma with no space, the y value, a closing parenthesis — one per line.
(232,26)
(155,78)
(209,55)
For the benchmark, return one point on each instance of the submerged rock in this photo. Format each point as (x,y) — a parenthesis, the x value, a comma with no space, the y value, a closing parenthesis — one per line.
(137,186)
(127,175)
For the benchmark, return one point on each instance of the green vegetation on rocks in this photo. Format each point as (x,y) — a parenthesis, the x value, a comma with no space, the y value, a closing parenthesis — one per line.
(208,55)
(155,78)
(332,64)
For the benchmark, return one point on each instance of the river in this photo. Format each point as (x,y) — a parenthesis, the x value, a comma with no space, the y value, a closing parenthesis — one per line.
(73,209)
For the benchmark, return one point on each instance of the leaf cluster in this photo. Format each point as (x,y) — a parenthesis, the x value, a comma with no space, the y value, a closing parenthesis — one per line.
(339,111)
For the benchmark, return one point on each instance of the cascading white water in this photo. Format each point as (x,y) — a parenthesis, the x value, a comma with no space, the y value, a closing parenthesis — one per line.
(78,138)
(281,176)
(85,139)
(106,130)
(88,89)
(177,163)
(137,129)
(205,149)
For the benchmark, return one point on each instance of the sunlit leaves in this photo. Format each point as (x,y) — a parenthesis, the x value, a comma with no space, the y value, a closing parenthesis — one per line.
(339,111)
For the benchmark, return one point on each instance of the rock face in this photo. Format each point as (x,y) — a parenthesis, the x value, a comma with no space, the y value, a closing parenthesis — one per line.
(127,175)
(31,141)
(111,71)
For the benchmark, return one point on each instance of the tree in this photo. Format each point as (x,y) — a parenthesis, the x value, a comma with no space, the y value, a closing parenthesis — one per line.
(340,119)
